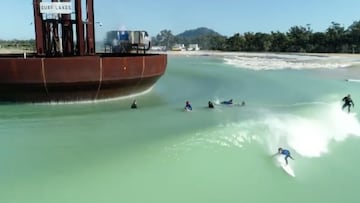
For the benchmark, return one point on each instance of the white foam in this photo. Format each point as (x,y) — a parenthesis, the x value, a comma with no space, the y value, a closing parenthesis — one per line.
(268,61)
(311,136)
(304,135)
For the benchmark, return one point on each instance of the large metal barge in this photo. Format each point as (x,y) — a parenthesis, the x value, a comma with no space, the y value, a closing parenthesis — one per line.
(65,66)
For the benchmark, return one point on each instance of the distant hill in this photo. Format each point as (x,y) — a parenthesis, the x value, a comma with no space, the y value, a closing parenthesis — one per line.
(205,38)
(197,33)
(202,36)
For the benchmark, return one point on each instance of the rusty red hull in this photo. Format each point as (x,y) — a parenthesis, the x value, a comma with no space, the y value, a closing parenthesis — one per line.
(78,78)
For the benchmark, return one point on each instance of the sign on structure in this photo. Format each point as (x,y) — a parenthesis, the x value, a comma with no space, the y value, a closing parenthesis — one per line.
(56,7)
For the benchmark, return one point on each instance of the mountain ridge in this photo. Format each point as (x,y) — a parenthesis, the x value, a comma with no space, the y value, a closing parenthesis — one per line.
(197,32)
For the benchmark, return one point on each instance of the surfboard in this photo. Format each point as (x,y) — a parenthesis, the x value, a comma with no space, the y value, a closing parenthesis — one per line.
(286,167)
(187,110)
(353,80)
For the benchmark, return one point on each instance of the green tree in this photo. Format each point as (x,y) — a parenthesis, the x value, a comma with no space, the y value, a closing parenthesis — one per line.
(298,38)
(279,42)
(217,43)
(164,38)
(249,41)
(235,43)
(335,36)
(319,42)
(354,37)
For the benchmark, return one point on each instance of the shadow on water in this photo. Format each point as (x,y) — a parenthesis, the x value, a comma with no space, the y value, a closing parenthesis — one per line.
(47,110)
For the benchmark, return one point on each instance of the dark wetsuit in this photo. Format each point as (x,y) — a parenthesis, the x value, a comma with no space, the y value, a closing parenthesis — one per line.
(211,105)
(188,107)
(347,103)
(287,154)
(227,102)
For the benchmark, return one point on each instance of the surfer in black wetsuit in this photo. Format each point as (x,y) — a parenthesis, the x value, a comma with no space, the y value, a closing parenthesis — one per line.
(134,105)
(211,105)
(347,102)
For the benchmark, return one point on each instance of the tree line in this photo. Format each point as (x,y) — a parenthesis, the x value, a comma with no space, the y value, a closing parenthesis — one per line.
(18,44)
(335,39)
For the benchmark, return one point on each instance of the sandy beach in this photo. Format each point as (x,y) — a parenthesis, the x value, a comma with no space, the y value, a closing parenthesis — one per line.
(14,51)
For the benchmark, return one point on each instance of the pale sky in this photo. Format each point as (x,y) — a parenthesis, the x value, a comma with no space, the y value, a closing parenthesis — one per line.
(226,17)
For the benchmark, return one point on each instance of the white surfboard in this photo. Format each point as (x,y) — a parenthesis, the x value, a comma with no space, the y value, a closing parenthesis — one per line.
(187,110)
(286,167)
(353,80)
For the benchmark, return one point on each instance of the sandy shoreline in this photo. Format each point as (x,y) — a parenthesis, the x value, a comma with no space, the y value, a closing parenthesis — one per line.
(14,51)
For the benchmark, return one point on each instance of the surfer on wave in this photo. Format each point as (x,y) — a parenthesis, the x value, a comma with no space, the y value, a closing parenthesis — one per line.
(347,102)
(284,152)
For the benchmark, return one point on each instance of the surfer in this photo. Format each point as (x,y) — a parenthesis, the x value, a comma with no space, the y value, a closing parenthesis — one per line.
(284,152)
(227,102)
(211,105)
(347,102)
(134,105)
(188,106)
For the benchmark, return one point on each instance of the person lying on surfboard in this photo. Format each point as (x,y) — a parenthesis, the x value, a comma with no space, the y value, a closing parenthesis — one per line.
(227,102)
(284,152)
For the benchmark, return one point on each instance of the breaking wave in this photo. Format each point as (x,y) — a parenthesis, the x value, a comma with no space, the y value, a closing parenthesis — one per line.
(259,61)
(310,136)
(305,135)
